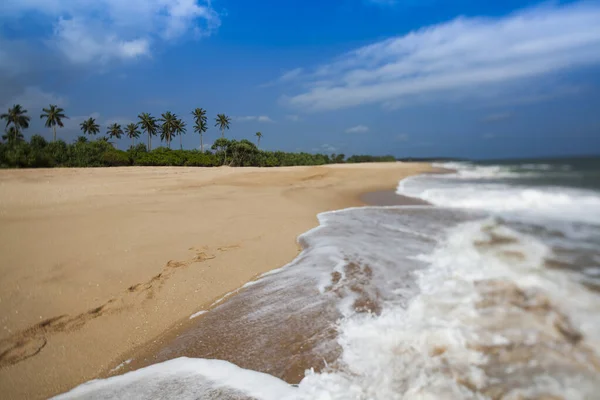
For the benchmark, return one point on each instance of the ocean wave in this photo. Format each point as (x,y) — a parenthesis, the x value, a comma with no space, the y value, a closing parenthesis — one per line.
(488,319)
(496,196)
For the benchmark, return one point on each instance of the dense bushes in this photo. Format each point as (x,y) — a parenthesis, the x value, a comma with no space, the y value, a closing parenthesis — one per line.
(38,153)
(366,158)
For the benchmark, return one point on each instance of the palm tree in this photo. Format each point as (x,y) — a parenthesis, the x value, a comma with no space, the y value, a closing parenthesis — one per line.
(223,122)
(114,130)
(149,125)
(167,128)
(13,136)
(133,132)
(179,130)
(90,127)
(18,118)
(54,116)
(200,125)
(258,136)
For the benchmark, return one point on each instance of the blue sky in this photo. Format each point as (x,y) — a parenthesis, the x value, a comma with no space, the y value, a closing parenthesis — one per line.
(465,78)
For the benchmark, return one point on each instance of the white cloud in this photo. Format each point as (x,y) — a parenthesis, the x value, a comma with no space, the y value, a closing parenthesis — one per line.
(33,99)
(463,57)
(89,31)
(123,121)
(258,118)
(287,76)
(325,148)
(358,129)
(402,137)
(82,42)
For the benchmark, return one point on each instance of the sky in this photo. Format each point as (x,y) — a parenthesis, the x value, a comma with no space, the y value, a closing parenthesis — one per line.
(461,78)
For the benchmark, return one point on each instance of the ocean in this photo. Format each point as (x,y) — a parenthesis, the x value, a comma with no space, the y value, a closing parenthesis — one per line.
(491,292)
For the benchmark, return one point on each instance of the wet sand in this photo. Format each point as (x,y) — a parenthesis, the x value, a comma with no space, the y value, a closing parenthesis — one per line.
(97,264)
(286,334)
(386,198)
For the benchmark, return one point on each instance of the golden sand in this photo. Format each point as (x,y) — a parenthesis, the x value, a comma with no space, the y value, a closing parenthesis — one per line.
(95,263)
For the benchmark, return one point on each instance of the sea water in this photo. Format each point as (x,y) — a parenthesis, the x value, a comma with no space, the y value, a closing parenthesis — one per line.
(493,292)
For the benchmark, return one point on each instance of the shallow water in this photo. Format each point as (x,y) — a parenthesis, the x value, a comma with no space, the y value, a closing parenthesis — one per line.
(494,295)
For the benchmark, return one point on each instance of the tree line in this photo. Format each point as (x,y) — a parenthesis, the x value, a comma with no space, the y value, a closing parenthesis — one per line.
(15,152)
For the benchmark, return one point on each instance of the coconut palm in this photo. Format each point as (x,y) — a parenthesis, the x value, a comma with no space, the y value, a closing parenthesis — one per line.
(114,131)
(223,122)
(179,130)
(258,136)
(132,131)
(90,127)
(13,135)
(167,127)
(54,116)
(149,125)
(200,125)
(18,118)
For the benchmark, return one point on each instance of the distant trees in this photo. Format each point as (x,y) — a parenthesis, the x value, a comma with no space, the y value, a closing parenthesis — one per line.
(90,127)
(114,131)
(180,130)
(132,131)
(149,125)
(54,116)
(83,152)
(17,118)
(167,127)
(258,137)
(200,124)
(369,159)
(223,122)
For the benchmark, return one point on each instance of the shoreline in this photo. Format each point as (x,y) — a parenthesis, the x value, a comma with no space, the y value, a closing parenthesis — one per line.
(139,313)
(149,354)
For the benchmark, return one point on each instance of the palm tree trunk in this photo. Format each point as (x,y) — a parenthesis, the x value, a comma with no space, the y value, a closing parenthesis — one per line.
(201,144)
(132,142)
(180,142)
(54,127)
(222,132)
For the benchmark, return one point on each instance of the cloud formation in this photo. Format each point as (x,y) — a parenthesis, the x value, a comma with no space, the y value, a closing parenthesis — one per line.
(257,118)
(358,129)
(107,30)
(34,99)
(462,57)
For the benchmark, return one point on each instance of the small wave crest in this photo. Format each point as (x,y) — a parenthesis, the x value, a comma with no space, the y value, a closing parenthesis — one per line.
(498,196)
(433,303)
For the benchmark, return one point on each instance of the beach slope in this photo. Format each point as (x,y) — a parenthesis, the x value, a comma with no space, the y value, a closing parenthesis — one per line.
(98,262)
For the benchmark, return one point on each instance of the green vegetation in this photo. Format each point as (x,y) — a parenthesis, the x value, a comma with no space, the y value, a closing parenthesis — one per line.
(90,127)
(53,116)
(15,152)
(369,159)
(16,120)
(223,122)
(200,124)
(258,137)
(133,132)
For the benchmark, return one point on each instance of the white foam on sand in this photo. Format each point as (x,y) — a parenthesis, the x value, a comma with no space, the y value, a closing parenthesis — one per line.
(426,266)
(199,313)
(185,379)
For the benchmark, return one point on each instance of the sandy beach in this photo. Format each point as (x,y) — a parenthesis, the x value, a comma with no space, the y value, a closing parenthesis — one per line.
(98,262)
